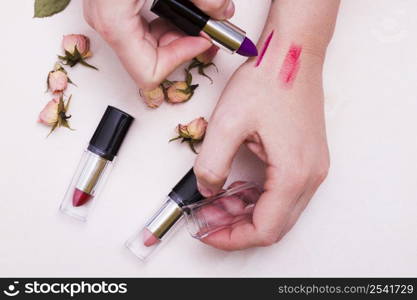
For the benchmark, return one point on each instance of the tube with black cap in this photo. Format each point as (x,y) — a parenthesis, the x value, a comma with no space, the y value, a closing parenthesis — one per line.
(191,20)
(164,222)
(96,163)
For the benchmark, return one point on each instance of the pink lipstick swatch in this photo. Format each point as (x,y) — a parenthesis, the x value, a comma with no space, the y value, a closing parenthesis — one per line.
(290,66)
(265,47)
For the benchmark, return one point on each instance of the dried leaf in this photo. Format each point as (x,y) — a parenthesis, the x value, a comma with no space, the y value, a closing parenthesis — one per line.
(191,143)
(67,104)
(47,8)
(53,128)
(188,77)
(84,63)
(175,139)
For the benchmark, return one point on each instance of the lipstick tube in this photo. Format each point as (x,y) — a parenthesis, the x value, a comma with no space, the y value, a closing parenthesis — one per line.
(191,20)
(96,163)
(167,219)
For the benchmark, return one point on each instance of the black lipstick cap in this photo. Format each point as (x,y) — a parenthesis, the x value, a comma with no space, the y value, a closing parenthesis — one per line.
(110,133)
(186,191)
(182,13)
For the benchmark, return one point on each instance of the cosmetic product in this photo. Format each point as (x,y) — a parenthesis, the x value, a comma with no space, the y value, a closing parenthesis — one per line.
(233,206)
(96,163)
(190,19)
(167,219)
(290,66)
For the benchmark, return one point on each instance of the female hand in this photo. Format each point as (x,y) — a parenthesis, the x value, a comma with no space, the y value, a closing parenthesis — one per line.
(148,51)
(283,126)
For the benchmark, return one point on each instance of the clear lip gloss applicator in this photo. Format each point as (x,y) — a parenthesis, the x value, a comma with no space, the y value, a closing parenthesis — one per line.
(96,163)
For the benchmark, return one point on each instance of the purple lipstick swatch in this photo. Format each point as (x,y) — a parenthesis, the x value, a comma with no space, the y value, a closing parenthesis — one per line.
(264,49)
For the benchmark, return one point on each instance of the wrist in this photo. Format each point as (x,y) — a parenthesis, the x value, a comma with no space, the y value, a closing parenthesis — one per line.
(311,59)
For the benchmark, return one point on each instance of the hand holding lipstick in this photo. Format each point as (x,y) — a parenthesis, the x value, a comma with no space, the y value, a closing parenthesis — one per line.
(274,104)
(148,51)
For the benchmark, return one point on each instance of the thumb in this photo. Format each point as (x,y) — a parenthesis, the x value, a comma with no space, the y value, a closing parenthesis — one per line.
(177,52)
(214,162)
(218,9)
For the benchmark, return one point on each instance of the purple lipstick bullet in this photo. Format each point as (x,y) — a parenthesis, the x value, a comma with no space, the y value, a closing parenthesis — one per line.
(190,19)
(248,48)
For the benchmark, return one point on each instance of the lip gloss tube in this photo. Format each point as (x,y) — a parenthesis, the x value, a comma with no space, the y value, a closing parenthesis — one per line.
(191,20)
(167,219)
(96,163)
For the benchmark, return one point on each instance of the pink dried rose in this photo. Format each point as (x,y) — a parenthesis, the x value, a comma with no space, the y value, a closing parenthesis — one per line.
(49,115)
(77,50)
(154,98)
(54,114)
(180,91)
(76,42)
(192,133)
(58,80)
(203,61)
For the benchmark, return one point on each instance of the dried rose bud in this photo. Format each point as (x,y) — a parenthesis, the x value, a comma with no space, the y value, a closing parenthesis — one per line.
(192,133)
(77,50)
(154,98)
(49,115)
(203,61)
(58,80)
(76,42)
(179,92)
(208,56)
(194,130)
(54,114)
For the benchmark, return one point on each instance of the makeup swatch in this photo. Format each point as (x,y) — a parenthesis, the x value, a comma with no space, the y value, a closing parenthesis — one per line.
(264,49)
(290,66)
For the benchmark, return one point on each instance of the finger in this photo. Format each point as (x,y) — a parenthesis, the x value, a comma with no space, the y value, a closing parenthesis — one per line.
(159,28)
(149,64)
(303,202)
(220,145)
(169,37)
(270,216)
(164,32)
(177,52)
(296,213)
(217,9)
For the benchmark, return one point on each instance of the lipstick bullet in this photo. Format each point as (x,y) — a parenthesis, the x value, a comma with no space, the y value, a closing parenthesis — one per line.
(167,219)
(96,163)
(191,20)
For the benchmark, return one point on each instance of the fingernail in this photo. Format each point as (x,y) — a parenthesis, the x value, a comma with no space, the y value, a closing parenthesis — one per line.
(230,10)
(206,192)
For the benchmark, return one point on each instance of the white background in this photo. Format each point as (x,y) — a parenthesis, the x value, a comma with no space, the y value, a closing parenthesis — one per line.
(362,222)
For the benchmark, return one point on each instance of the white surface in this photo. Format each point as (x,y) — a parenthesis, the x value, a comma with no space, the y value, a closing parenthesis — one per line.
(362,222)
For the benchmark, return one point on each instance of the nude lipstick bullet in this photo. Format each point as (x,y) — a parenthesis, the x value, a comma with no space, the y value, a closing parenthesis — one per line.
(191,20)
(167,219)
(96,162)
